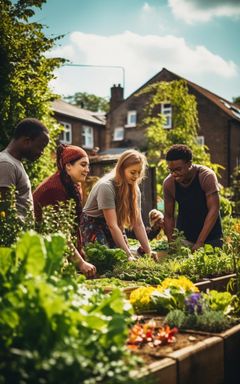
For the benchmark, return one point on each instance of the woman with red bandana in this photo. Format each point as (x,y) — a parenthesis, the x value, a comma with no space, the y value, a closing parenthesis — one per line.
(63,185)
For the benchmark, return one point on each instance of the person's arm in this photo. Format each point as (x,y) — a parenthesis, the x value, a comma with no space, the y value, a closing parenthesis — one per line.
(210,220)
(141,235)
(89,270)
(169,220)
(117,235)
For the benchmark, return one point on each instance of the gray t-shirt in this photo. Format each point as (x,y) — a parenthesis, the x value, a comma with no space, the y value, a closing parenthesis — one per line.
(12,172)
(103,196)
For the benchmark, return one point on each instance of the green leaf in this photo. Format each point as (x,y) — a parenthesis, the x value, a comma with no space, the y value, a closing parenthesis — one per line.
(55,246)
(30,249)
(5,260)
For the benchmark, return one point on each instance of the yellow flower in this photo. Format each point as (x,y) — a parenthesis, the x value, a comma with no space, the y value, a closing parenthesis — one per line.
(181,282)
(141,295)
(2,214)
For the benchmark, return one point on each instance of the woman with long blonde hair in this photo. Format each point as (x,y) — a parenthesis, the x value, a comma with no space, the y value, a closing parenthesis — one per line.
(114,204)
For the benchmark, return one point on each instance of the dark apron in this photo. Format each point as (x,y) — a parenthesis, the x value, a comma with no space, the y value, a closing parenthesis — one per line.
(192,211)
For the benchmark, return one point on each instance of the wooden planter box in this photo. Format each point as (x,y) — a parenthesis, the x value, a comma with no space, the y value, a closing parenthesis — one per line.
(163,371)
(220,283)
(231,339)
(204,285)
(201,363)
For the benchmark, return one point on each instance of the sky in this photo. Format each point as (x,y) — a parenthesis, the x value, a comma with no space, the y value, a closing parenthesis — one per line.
(129,41)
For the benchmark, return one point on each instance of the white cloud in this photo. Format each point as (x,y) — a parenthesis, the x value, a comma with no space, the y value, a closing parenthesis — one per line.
(147,8)
(203,11)
(141,56)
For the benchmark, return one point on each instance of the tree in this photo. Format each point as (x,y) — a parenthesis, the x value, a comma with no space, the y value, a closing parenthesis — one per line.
(236,100)
(184,120)
(89,101)
(25,72)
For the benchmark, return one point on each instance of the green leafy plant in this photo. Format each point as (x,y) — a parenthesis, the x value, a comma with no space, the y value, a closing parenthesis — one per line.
(53,329)
(11,224)
(103,257)
(218,301)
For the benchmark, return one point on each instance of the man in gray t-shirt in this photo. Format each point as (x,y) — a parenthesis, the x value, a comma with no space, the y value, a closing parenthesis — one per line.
(29,140)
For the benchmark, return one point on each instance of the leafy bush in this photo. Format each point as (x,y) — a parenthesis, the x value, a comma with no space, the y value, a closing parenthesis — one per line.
(11,225)
(52,329)
(175,318)
(205,262)
(218,301)
(60,219)
(103,257)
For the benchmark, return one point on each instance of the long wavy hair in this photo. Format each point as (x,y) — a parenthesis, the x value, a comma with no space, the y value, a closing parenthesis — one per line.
(127,195)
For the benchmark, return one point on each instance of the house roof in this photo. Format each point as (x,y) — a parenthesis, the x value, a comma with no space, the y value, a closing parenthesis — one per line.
(230,108)
(67,109)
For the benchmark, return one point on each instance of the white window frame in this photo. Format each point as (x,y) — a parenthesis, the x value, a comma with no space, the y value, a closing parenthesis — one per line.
(200,140)
(66,133)
(131,119)
(88,135)
(118,134)
(166,111)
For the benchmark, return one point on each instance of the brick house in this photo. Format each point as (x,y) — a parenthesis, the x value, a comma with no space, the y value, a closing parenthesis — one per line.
(219,122)
(81,127)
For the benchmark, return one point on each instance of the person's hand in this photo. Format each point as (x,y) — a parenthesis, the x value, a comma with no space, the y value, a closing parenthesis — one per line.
(131,258)
(197,245)
(156,219)
(89,270)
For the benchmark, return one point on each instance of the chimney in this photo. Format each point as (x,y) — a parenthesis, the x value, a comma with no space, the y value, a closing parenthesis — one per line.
(116,96)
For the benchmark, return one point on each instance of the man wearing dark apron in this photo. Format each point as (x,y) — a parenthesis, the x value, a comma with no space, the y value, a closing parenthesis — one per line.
(195,189)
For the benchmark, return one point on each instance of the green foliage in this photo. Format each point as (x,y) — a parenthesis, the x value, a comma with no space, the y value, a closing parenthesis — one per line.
(175,318)
(236,99)
(218,301)
(103,257)
(144,269)
(54,330)
(210,321)
(89,101)
(25,71)
(185,124)
(60,218)
(235,190)
(225,207)
(205,262)
(11,225)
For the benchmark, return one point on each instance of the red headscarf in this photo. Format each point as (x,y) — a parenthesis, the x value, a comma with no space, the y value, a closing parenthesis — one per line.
(68,153)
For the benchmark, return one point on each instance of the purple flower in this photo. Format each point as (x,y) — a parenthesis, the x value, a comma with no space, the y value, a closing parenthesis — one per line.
(194,303)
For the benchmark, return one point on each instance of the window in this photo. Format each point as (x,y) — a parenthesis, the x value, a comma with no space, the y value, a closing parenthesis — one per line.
(66,134)
(131,119)
(166,110)
(118,134)
(87,137)
(200,140)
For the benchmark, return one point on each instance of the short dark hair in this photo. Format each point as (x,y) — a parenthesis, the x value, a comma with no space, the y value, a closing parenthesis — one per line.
(29,127)
(179,152)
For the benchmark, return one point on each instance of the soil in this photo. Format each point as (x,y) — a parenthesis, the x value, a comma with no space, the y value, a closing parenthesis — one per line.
(151,353)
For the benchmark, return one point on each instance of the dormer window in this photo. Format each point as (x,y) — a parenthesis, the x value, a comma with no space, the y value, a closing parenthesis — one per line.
(166,110)
(131,119)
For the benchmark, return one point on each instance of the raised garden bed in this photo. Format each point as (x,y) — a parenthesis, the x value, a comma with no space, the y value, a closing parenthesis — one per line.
(210,358)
